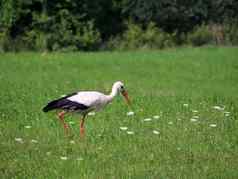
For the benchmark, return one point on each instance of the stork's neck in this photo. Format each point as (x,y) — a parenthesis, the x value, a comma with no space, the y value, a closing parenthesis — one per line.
(113,93)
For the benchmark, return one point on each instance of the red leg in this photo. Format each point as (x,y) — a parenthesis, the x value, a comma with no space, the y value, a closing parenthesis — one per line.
(61,118)
(82,127)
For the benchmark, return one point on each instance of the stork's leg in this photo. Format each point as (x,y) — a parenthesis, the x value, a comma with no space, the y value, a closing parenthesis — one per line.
(61,118)
(82,126)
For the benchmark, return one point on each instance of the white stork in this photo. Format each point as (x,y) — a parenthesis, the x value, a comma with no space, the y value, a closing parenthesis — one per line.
(83,102)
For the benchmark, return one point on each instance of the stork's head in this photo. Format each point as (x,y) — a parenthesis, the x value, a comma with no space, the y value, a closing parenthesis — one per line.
(119,86)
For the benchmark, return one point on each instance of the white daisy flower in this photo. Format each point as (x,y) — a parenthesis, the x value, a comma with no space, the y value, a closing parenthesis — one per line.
(130,132)
(27,127)
(219,108)
(64,158)
(123,128)
(213,125)
(71,122)
(156,117)
(227,113)
(34,141)
(147,119)
(20,140)
(156,132)
(91,113)
(130,113)
(193,120)
(72,142)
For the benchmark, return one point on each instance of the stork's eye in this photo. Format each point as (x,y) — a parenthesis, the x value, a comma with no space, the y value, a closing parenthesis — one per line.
(122,87)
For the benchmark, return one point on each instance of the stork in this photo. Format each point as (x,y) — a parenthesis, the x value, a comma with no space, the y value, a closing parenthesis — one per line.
(84,102)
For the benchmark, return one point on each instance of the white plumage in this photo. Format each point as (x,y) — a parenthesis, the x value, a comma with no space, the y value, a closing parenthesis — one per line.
(93,99)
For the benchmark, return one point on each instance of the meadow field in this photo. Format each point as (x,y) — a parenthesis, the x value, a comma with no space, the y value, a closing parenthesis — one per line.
(185,122)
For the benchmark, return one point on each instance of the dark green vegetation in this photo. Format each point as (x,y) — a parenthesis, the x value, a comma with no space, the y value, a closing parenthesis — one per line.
(159,83)
(70,25)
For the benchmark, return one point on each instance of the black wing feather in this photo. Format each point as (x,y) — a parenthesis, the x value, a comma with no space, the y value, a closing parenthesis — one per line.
(65,104)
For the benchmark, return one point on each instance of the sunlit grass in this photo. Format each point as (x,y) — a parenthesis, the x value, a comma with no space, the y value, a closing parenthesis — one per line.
(182,124)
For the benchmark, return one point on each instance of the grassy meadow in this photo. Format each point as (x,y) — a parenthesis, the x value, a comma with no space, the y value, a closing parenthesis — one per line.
(193,91)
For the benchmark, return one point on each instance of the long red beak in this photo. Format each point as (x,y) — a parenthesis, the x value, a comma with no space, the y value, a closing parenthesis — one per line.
(125,94)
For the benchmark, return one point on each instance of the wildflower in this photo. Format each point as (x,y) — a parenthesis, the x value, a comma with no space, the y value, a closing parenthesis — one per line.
(34,141)
(123,128)
(72,142)
(71,122)
(130,113)
(193,120)
(147,119)
(213,125)
(156,117)
(19,140)
(185,105)
(156,132)
(130,132)
(227,113)
(195,111)
(64,158)
(218,108)
(91,113)
(27,127)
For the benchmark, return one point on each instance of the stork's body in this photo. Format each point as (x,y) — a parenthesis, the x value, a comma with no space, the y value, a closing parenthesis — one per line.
(83,102)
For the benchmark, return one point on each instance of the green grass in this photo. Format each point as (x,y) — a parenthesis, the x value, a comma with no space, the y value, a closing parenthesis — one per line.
(158,82)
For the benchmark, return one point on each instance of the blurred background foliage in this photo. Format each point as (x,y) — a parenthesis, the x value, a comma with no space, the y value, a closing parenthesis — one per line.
(72,25)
